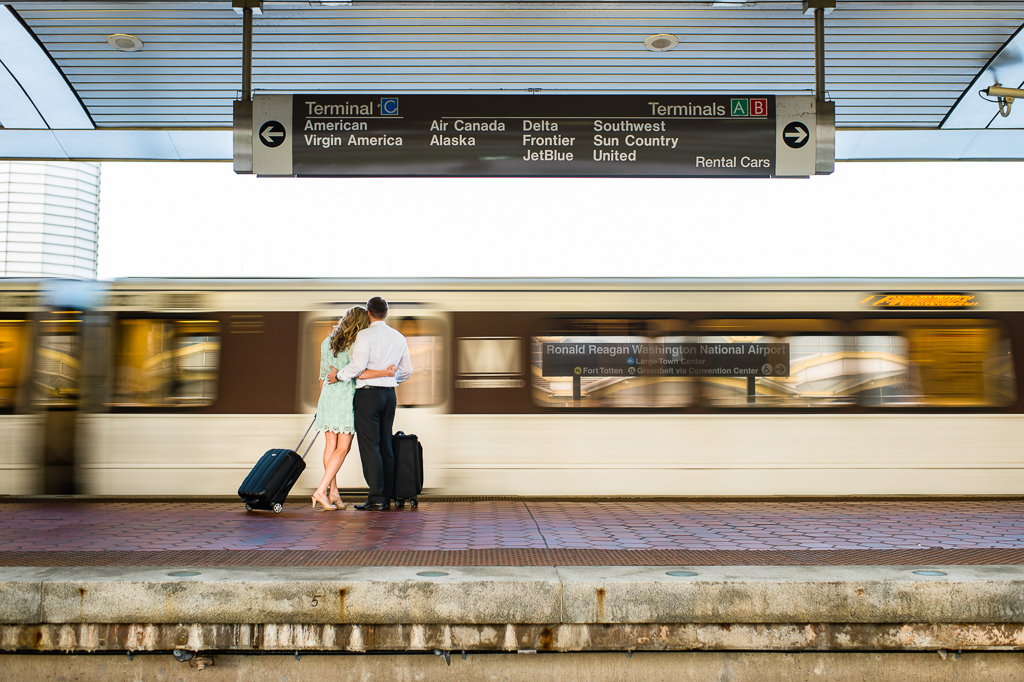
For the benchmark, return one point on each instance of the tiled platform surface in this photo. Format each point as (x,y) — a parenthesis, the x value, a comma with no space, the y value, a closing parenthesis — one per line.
(516,532)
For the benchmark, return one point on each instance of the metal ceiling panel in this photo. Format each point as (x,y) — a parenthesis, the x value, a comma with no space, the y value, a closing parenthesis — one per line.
(891,65)
(30,144)
(922,145)
(32,72)
(16,107)
(1006,68)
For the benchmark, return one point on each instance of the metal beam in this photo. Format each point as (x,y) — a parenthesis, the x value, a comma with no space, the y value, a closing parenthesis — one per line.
(215,145)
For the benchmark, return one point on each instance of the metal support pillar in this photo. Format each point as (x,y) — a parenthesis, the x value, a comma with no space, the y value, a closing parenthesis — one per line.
(577,390)
(242,108)
(247,54)
(751,390)
(825,111)
(819,54)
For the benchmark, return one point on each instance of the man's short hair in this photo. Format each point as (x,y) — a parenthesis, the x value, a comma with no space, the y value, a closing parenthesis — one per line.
(377,307)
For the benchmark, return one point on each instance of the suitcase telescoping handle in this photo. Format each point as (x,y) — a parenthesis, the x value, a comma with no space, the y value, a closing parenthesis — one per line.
(304,438)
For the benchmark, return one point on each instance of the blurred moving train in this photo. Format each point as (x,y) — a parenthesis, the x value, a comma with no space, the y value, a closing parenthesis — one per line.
(170,387)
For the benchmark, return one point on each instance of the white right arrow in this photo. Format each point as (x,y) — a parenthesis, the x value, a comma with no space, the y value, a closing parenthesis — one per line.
(269,135)
(800,135)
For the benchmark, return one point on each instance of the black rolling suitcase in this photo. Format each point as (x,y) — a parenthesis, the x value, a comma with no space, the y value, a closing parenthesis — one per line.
(408,468)
(269,482)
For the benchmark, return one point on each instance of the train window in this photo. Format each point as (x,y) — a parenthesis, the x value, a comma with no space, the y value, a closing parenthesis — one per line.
(935,363)
(776,363)
(426,349)
(58,360)
(609,363)
(490,357)
(160,363)
(197,361)
(13,340)
(316,332)
(490,362)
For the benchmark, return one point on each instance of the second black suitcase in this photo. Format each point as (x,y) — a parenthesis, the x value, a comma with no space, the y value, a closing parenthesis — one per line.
(270,481)
(408,468)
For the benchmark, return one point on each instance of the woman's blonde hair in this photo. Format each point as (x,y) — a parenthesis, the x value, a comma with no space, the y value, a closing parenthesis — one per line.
(344,334)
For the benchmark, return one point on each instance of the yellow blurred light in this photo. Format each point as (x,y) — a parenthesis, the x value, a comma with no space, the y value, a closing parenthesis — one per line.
(921,300)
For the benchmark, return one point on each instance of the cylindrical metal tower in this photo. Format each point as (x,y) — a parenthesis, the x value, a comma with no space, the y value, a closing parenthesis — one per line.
(49,219)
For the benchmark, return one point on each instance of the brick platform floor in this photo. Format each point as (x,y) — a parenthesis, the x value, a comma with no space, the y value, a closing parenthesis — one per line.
(516,532)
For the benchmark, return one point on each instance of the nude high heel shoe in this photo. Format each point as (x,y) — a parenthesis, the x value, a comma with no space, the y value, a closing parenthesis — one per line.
(336,501)
(324,502)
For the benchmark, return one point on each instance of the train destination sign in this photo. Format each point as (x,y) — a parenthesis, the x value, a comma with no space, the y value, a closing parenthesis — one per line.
(665,359)
(921,301)
(521,135)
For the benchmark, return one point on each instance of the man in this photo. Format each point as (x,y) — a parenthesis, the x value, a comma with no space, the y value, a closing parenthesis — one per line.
(376,347)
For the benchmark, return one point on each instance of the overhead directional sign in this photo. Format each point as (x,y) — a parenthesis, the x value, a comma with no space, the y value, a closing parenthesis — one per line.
(272,134)
(795,134)
(522,135)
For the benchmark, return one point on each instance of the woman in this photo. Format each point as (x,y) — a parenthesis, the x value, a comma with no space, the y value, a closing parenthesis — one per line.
(334,415)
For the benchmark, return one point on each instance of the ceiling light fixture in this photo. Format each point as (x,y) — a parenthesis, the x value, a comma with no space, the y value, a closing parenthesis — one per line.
(124,42)
(661,42)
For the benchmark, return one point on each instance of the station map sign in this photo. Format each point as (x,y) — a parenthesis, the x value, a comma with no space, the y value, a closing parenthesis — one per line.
(598,360)
(330,135)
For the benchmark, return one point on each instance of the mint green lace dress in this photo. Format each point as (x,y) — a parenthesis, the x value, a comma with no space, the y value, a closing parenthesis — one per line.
(334,410)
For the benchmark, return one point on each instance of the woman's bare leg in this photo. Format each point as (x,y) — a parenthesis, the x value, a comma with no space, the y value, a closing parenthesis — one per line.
(339,439)
(344,443)
(335,496)
(330,446)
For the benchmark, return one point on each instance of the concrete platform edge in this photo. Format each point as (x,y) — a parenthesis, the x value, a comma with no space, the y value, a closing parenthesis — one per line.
(699,666)
(306,596)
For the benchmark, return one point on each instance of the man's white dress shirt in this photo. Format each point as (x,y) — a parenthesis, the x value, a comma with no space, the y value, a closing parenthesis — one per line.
(378,347)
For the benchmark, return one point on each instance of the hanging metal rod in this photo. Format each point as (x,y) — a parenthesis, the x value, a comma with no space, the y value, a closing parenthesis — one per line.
(819,8)
(819,54)
(247,8)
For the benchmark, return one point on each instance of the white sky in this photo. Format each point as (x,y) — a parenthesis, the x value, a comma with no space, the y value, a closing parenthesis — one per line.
(865,220)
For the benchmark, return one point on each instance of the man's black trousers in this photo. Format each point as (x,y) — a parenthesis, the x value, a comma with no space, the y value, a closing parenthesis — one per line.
(375,417)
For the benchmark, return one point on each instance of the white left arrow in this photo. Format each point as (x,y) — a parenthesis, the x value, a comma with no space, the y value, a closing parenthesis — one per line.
(800,135)
(269,135)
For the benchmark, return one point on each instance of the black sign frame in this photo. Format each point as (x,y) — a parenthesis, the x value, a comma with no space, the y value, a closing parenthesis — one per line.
(374,135)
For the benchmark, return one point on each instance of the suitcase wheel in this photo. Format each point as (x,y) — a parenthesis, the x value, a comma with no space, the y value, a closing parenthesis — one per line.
(248,507)
(399,503)
(413,503)
(278,508)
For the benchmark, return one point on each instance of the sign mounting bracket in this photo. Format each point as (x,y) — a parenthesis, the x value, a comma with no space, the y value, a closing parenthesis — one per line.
(825,111)
(242,108)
